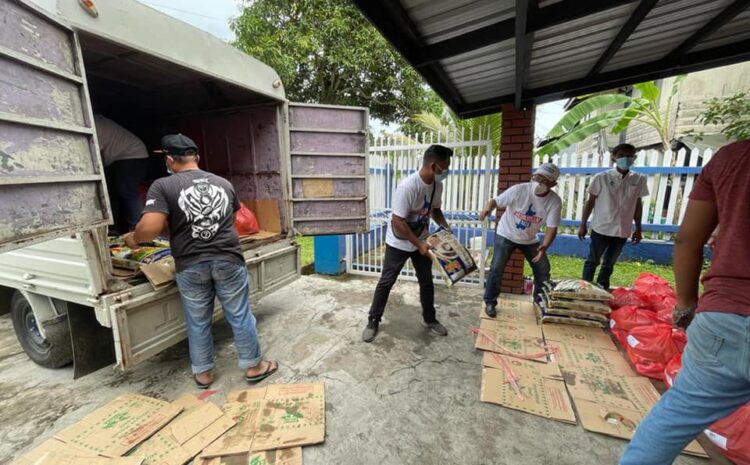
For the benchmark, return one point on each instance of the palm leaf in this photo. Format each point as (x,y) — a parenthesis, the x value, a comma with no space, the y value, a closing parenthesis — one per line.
(583,109)
(581,132)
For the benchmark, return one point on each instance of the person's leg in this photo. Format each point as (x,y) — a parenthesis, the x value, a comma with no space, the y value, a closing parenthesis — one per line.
(197,296)
(596,250)
(609,259)
(423,270)
(233,290)
(127,178)
(109,176)
(713,382)
(502,251)
(541,269)
(393,263)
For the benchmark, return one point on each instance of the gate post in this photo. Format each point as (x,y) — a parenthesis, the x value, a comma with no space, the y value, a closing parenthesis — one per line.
(515,168)
(330,253)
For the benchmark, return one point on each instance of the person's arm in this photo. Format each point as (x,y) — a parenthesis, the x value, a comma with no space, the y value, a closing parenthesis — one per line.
(150,226)
(588,207)
(701,217)
(437,215)
(549,237)
(501,201)
(638,234)
(491,205)
(552,222)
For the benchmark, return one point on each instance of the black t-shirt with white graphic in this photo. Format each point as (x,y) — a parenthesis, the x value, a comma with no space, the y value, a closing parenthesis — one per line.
(200,207)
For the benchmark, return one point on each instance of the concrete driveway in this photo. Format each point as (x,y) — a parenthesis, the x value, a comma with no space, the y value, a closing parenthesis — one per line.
(407,398)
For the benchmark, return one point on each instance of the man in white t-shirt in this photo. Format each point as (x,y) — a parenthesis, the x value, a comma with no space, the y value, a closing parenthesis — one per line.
(615,199)
(527,207)
(125,161)
(417,199)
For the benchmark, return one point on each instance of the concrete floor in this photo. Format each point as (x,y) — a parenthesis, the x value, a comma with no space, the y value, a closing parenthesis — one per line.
(408,398)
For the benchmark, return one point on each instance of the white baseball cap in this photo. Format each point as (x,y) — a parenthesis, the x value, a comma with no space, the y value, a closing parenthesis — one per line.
(549,171)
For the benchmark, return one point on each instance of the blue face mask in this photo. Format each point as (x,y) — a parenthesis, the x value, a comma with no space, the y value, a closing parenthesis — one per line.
(624,163)
(442,176)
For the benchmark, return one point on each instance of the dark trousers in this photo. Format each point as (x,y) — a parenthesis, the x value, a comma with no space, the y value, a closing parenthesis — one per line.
(503,249)
(605,250)
(394,261)
(123,178)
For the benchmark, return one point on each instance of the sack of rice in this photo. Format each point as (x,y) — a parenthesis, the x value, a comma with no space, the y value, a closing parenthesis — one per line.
(579,289)
(545,317)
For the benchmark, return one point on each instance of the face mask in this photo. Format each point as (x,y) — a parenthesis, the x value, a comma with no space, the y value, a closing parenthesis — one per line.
(442,176)
(624,163)
(540,189)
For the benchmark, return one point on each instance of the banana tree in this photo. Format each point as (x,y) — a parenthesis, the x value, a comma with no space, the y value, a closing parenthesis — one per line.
(483,127)
(614,112)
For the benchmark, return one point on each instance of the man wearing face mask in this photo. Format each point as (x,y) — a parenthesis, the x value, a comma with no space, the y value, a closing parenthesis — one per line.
(198,208)
(417,199)
(615,199)
(527,206)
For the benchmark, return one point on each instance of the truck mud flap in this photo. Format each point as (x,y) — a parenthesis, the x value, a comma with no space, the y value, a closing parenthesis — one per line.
(93,344)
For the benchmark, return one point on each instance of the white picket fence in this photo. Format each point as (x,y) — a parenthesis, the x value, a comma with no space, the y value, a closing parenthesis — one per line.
(670,178)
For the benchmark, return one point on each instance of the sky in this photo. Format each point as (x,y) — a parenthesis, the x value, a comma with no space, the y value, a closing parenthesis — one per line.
(213,16)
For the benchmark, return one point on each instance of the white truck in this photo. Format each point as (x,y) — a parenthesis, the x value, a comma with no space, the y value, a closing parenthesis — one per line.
(304,166)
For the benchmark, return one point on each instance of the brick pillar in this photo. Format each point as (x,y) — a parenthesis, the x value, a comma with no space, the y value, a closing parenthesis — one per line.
(515,168)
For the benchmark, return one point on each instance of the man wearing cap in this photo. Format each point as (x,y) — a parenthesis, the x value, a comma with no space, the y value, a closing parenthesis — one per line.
(615,199)
(527,206)
(125,161)
(198,207)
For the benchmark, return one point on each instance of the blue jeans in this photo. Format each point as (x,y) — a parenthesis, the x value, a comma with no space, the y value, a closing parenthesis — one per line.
(198,285)
(503,249)
(714,381)
(605,250)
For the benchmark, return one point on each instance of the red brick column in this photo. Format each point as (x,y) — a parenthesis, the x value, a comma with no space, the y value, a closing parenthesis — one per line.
(515,168)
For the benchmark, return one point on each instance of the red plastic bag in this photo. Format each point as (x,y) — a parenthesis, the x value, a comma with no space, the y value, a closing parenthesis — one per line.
(732,435)
(657,342)
(245,221)
(620,334)
(671,369)
(625,297)
(629,317)
(644,366)
(655,292)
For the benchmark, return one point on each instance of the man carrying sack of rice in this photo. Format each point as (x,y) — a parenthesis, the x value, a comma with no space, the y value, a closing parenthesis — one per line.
(527,206)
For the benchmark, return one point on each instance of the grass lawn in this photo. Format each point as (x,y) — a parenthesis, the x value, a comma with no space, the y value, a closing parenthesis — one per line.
(306,249)
(624,275)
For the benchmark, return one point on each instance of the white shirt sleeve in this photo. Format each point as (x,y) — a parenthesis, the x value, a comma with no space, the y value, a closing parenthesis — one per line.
(506,198)
(554,213)
(402,201)
(595,188)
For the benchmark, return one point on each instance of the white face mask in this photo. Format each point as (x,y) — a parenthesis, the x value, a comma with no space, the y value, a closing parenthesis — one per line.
(540,189)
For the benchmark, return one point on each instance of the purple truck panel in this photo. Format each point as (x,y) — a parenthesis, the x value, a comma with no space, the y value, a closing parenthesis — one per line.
(327,142)
(310,165)
(329,118)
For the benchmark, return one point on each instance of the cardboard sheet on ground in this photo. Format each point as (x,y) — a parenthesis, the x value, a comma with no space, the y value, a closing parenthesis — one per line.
(576,357)
(511,310)
(51,445)
(58,458)
(197,426)
(277,416)
(120,425)
(591,337)
(543,370)
(540,396)
(520,338)
(291,456)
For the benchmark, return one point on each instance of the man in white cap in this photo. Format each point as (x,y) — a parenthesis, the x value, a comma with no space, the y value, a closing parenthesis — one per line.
(527,206)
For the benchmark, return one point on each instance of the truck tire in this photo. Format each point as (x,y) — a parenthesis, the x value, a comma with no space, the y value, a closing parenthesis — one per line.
(33,343)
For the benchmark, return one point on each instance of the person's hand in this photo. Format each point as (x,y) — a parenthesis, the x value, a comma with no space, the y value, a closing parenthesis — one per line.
(424,248)
(539,253)
(129,239)
(583,230)
(711,244)
(637,236)
(485,213)
(682,316)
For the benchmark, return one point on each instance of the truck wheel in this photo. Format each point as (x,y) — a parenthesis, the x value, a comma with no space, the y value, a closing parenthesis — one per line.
(33,343)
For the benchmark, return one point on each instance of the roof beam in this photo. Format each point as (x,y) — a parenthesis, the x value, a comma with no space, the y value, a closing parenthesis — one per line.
(552,15)
(523,45)
(709,28)
(639,14)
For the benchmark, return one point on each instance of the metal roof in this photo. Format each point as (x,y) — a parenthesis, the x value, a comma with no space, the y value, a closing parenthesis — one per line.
(479,54)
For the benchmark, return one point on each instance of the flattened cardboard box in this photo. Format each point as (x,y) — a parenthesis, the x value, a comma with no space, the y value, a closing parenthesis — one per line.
(291,456)
(58,458)
(275,417)
(634,393)
(513,311)
(591,337)
(199,424)
(542,370)
(541,396)
(51,445)
(521,338)
(576,357)
(120,425)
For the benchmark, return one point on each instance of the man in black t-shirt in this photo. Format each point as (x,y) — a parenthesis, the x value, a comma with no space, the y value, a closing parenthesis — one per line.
(198,208)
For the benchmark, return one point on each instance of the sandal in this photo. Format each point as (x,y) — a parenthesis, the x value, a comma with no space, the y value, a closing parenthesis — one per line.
(271,369)
(202,385)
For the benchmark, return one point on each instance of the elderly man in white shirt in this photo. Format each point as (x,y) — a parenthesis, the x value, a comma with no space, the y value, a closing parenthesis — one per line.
(615,199)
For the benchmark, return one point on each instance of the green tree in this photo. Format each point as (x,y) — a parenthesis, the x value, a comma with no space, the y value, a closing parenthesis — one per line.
(615,111)
(326,52)
(447,123)
(733,113)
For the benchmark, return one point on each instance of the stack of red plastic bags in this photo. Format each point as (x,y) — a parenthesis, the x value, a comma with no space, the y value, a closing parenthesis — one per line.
(642,321)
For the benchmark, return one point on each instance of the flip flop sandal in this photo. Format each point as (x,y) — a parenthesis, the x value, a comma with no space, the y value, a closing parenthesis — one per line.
(199,384)
(272,367)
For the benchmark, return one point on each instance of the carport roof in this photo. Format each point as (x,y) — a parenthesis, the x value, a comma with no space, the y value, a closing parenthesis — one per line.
(479,54)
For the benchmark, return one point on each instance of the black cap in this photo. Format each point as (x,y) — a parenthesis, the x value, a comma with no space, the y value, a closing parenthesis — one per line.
(178,144)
